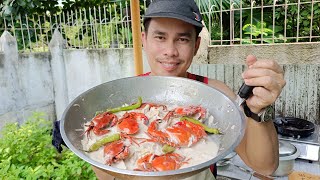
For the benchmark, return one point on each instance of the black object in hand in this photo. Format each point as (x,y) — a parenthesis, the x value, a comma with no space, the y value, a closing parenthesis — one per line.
(57,140)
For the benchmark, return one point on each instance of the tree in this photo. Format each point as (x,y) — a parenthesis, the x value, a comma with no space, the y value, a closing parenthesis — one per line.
(16,7)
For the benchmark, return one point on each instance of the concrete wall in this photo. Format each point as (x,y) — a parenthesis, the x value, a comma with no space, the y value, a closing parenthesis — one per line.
(282,53)
(75,71)
(48,82)
(25,81)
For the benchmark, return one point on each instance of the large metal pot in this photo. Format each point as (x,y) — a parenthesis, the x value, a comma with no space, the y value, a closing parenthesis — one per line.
(288,153)
(166,90)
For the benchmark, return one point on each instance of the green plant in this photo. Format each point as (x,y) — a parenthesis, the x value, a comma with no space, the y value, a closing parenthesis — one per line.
(16,7)
(287,17)
(214,14)
(80,30)
(260,30)
(307,13)
(113,34)
(26,153)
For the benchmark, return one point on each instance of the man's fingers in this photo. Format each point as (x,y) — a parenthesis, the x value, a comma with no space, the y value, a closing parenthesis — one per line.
(257,72)
(268,82)
(251,59)
(267,96)
(268,64)
(261,98)
(267,77)
(251,74)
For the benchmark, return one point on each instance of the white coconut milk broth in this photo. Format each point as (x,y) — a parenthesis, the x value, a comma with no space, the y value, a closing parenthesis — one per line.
(200,152)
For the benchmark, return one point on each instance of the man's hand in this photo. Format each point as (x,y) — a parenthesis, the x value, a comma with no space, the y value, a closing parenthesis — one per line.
(267,77)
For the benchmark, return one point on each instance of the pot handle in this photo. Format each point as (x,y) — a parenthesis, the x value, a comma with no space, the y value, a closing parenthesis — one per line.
(245,91)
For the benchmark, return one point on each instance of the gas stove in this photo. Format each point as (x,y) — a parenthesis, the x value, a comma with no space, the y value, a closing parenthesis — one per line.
(308,146)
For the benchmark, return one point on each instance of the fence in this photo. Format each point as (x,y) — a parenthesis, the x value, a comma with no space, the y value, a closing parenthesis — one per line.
(299,98)
(96,27)
(63,74)
(262,21)
(230,22)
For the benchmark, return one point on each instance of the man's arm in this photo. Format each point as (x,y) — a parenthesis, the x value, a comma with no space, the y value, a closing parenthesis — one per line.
(259,146)
(102,174)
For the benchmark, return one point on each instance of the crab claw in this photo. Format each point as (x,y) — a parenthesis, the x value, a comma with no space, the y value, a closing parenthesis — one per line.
(191,111)
(164,107)
(100,123)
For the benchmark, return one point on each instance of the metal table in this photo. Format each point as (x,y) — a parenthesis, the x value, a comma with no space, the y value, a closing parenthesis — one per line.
(235,173)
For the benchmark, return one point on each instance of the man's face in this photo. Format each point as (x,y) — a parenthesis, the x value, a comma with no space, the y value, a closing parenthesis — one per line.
(170,45)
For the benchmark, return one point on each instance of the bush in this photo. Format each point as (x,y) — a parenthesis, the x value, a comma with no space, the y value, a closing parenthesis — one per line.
(26,153)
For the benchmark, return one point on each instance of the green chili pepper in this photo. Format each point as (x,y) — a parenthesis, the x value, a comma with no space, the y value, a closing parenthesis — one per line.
(167,148)
(206,128)
(103,141)
(126,108)
(98,112)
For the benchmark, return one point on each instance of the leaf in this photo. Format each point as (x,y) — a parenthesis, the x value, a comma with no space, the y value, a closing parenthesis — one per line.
(277,29)
(21,2)
(305,13)
(79,171)
(37,168)
(7,150)
(7,10)
(6,168)
(28,153)
(11,3)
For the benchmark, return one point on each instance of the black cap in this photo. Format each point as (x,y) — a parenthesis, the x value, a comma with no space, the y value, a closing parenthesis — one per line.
(185,10)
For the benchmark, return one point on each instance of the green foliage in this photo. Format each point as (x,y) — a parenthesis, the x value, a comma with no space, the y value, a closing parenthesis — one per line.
(212,16)
(304,17)
(91,30)
(260,30)
(26,153)
(286,20)
(113,34)
(16,7)
(87,29)
(214,7)
(78,4)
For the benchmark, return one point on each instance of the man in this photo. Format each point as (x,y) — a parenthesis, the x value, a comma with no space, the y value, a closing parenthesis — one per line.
(170,40)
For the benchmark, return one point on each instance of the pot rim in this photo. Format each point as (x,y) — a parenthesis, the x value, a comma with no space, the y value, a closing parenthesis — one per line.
(290,157)
(171,86)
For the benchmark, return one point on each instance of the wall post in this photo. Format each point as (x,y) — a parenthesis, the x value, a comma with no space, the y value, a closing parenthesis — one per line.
(56,48)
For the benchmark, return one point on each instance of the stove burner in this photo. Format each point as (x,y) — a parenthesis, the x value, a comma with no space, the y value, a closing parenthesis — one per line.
(293,127)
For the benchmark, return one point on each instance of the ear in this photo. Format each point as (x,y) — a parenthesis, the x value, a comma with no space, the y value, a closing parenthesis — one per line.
(197,45)
(143,38)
